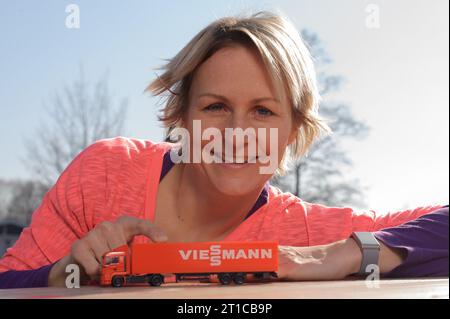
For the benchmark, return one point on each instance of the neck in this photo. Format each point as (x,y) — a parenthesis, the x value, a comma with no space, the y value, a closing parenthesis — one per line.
(212,214)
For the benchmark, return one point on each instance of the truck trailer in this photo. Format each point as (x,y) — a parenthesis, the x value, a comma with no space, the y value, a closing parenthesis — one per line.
(151,262)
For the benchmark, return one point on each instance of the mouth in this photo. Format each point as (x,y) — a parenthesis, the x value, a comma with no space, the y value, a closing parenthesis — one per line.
(221,159)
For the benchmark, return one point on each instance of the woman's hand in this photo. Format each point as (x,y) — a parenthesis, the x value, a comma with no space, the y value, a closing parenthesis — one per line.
(326,262)
(331,262)
(88,251)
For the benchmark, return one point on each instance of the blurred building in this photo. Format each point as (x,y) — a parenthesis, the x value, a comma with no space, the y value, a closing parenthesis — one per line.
(9,233)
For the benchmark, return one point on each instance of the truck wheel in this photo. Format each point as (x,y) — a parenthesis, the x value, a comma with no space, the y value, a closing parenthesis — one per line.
(225,278)
(239,278)
(258,275)
(117,281)
(156,280)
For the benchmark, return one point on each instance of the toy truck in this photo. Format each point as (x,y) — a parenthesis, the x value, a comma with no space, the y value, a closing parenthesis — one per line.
(149,263)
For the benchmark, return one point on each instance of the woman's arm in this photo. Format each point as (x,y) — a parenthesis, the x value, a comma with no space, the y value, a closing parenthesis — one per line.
(330,262)
(25,278)
(414,249)
(423,242)
(86,252)
(54,227)
(60,220)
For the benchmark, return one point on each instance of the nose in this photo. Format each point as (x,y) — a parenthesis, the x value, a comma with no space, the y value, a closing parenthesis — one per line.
(238,119)
(240,130)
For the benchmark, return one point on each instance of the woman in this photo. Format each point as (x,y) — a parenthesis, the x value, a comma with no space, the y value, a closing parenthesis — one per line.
(252,73)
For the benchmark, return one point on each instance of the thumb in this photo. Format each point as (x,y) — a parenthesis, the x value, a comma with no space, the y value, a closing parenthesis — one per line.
(133,226)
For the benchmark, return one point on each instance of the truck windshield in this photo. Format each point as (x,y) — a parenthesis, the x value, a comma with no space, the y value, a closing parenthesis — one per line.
(111,260)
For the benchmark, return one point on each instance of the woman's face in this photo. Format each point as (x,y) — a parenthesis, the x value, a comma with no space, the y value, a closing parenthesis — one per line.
(232,89)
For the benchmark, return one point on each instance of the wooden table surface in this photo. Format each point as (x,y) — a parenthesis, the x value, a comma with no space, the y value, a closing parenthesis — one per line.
(413,288)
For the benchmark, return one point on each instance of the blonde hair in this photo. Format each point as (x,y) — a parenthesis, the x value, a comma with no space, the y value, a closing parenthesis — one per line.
(284,54)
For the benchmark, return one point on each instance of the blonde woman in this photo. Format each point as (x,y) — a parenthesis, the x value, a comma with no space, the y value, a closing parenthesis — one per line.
(253,74)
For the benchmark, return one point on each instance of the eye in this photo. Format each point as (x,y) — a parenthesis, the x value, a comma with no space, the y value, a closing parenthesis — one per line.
(215,107)
(263,111)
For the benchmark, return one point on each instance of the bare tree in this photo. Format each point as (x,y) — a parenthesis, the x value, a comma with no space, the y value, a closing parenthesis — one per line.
(26,198)
(19,198)
(77,117)
(6,188)
(319,177)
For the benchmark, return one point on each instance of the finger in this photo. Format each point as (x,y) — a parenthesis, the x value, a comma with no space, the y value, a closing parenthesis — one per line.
(112,235)
(85,257)
(134,226)
(98,245)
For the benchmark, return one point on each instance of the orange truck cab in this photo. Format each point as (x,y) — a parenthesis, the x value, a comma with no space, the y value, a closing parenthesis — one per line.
(229,261)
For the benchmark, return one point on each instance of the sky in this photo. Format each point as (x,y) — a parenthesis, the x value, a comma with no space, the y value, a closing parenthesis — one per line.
(395,75)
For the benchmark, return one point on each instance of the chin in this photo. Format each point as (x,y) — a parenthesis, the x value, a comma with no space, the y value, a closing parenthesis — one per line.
(235,182)
(235,189)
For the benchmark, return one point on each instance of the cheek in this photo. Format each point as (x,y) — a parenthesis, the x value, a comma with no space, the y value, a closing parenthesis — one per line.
(279,141)
(202,124)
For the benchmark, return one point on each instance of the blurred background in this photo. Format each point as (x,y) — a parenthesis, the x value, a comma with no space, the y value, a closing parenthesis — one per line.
(72,72)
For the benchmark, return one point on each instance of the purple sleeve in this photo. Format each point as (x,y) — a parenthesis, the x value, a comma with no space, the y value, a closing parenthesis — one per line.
(425,240)
(25,278)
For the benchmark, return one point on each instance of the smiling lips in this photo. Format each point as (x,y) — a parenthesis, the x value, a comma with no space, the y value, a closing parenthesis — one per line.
(220,159)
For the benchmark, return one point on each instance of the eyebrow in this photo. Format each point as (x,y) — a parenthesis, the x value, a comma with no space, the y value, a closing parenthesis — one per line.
(257,100)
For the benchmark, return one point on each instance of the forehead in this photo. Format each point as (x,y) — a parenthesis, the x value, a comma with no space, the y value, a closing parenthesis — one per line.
(233,70)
